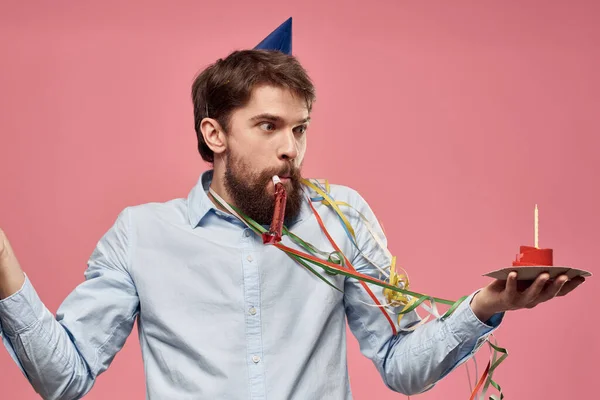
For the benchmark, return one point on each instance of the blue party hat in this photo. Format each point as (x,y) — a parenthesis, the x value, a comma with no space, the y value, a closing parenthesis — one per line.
(280,39)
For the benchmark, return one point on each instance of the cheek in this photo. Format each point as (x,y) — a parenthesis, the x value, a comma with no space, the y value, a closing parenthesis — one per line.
(241,163)
(253,149)
(301,149)
(248,168)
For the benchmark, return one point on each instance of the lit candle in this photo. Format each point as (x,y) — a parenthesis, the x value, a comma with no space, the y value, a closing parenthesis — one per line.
(536,227)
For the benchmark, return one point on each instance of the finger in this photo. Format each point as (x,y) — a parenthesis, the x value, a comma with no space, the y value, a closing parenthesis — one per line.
(531,294)
(556,286)
(511,286)
(571,285)
(551,289)
(523,285)
(497,285)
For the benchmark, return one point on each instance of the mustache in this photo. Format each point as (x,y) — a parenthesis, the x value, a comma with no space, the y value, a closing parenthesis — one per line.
(287,171)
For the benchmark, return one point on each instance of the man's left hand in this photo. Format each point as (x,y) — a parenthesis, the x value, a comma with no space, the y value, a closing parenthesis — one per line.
(511,294)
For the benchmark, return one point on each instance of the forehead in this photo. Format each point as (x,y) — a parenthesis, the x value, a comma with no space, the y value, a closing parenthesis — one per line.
(266,99)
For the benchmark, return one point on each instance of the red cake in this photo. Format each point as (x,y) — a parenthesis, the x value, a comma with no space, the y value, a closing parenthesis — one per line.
(532,256)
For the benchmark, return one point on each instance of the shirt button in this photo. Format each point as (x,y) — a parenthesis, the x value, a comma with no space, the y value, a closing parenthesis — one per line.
(256,359)
(252,310)
(247,233)
(249,258)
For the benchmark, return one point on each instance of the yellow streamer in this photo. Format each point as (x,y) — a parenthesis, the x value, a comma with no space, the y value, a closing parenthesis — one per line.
(332,204)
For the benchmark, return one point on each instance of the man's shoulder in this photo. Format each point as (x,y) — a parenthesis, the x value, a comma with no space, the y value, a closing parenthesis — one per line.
(320,188)
(173,210)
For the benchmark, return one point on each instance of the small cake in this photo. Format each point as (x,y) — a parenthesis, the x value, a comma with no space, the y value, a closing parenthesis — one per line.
(532,256)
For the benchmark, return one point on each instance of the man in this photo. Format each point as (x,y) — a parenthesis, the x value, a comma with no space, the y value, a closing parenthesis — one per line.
(220,315)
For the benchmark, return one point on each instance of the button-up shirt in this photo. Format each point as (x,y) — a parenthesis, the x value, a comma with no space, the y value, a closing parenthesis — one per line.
(223,316)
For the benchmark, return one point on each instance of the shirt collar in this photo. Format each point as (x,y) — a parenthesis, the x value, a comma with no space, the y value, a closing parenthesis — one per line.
(199,204)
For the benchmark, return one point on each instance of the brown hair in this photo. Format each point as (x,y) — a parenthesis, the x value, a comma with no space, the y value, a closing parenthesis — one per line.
(227,85)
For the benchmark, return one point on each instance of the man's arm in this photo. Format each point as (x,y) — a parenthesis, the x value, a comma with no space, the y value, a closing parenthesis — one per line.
(409,362)
(61,357)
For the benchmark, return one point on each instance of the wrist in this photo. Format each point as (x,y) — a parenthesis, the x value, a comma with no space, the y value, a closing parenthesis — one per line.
(481,308)
(11,282)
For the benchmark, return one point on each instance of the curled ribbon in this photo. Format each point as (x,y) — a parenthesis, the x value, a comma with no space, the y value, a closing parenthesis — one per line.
(395,289)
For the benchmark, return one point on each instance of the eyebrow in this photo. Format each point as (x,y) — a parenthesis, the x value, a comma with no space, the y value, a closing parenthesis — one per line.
(275,118)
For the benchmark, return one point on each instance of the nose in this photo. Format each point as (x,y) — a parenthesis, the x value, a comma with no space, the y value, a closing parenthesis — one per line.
(288,149)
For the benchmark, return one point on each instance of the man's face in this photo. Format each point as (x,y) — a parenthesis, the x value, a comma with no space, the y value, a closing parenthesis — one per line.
(266,137)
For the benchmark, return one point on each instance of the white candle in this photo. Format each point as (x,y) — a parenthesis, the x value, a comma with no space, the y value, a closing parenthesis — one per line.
(536,227)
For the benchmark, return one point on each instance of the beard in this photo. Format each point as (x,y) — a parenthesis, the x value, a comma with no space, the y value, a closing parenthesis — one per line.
(249,193)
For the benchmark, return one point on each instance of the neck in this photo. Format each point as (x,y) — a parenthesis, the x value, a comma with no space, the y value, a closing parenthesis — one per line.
(218,185)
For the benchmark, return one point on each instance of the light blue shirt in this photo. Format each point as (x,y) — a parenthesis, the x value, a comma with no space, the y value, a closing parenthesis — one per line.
(222,316)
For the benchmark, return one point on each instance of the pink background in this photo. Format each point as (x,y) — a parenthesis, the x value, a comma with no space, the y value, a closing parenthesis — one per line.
(451,118)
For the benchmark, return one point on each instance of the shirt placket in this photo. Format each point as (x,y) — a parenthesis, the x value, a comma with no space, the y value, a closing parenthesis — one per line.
(254,356)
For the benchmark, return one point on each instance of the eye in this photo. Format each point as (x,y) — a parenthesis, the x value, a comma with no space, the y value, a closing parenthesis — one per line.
(267,126)
(300,129)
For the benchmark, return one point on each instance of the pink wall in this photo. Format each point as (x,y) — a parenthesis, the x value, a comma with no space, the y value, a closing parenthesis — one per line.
(453,120)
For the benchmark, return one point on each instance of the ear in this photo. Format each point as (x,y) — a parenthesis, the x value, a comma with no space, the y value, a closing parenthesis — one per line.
(214,135)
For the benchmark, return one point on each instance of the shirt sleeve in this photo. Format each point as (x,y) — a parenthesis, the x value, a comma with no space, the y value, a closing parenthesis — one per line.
(409,362)
(62,356)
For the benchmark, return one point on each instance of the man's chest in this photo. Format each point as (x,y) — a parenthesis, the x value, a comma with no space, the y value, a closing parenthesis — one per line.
(223,276)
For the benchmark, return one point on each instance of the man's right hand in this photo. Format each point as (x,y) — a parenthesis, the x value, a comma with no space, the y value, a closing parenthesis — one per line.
(11,274)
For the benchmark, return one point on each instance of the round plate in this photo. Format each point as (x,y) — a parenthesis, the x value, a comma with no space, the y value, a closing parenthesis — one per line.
(529,273)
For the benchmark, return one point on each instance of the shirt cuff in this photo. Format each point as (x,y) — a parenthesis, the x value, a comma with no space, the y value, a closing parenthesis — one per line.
(21,309)
(469,329)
